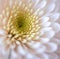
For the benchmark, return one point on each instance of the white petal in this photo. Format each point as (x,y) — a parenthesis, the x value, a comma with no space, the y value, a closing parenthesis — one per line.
(56,27)
(51,47)
(41,13)
(1,40)
(36,57)
(51,7)
(41,49)
(4,20)
(10,3)
(55,16)
(49,34)
(44,56)
(46,24)
(2,32)
(54,56)
(44,40)
(46,29)
(43,31)
(42,4)
(29,56)
(44,19)
(36,45)
(21,50)
(14,54)
(55,40)
(3,52)
(36,2)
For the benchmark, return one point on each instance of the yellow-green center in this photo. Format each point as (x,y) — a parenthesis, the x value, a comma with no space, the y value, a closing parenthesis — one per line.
(22,23)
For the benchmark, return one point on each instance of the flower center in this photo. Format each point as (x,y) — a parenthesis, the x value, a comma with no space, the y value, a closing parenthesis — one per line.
(22,23)
(22,26)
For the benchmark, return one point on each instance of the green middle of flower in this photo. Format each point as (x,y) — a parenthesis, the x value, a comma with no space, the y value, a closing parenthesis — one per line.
(22,23)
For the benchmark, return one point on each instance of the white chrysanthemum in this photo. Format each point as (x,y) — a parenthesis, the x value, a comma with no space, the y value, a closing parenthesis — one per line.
(28,28)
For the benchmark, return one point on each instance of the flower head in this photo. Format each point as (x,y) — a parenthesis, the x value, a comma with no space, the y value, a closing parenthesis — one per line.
(27,29)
